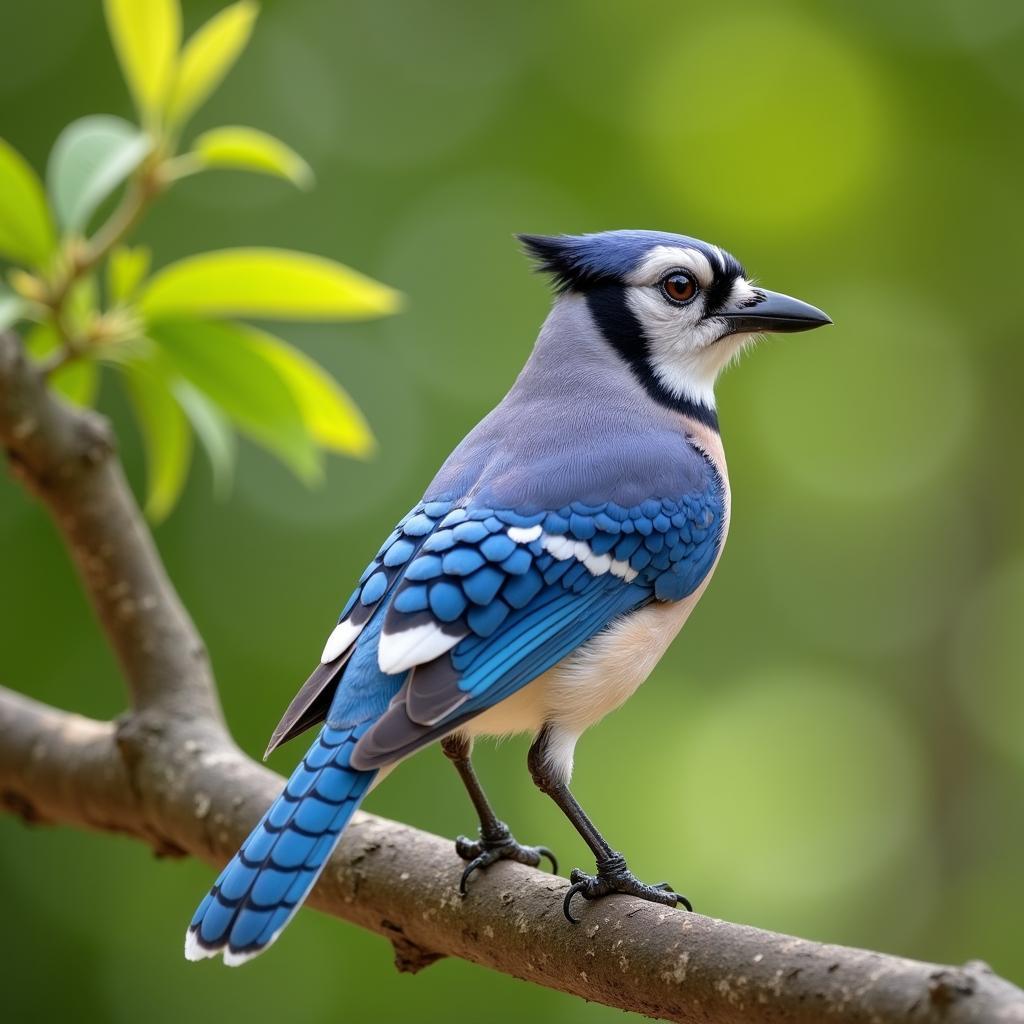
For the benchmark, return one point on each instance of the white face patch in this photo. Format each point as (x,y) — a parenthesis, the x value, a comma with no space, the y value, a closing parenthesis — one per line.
(687,352)
(663,258)
(742,291)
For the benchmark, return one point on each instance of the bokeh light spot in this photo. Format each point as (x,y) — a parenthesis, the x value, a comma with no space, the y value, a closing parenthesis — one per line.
(773,124)
(869,409)
(800,787)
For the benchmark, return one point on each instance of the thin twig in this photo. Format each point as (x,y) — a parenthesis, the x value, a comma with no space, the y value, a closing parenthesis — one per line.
(125,217)
(83,257)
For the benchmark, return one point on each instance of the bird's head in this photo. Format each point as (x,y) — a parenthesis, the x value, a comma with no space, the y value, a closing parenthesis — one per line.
(677,309)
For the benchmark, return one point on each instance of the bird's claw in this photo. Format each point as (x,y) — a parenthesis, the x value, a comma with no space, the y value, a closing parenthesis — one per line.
(613,876)
(498,844)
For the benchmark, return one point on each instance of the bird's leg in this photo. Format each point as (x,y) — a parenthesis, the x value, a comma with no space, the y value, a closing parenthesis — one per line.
(496,842)
(612,873)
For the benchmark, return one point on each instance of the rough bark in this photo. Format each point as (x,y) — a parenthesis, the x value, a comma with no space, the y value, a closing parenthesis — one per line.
(168,773)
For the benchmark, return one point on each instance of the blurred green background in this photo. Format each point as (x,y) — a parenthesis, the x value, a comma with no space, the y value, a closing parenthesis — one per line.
(835,746)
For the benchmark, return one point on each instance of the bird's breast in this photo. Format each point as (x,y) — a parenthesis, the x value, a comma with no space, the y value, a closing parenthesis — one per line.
(709,443)
(604,672)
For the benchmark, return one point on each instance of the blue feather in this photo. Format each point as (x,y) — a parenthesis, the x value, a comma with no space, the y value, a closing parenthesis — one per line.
(265,882)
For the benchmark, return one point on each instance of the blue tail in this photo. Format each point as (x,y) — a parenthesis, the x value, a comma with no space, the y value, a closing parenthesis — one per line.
(267,880)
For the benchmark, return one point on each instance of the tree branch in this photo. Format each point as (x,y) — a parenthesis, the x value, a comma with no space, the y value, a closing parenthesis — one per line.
(190,790)
(168,773)
(65,457)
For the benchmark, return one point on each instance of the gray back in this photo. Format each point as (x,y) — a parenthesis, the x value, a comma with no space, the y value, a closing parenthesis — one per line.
(576,426)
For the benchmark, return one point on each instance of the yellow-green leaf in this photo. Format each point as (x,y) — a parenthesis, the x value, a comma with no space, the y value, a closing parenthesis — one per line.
(26,230)
(90,158)
(274,283)
(165,435)
(82,305)
(225,362)
(214,433)
(146,35)
(27,285)
(125,270)
(77,381)
(207,57)
(331,416)
(247,149)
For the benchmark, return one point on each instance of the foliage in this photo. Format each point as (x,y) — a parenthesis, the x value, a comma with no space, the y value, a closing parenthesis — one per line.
(188,366)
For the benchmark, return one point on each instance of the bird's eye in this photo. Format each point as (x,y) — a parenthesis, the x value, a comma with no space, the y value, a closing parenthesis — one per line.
(679,287)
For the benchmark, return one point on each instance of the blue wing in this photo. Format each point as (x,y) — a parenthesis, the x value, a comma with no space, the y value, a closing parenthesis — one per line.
(354,638)
(493,598)
(462,606)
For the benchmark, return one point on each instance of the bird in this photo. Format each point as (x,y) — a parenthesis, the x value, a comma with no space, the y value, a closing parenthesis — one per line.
(538,581)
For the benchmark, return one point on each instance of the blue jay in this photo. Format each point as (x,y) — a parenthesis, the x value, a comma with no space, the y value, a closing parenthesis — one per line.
(545,571)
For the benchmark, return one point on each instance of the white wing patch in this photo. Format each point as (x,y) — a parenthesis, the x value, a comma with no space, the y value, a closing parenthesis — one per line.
(341,638)
(524,534)
(597,565)
(399,652)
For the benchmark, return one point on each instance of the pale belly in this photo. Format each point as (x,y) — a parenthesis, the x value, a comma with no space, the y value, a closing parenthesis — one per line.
(602,674)
(594,680)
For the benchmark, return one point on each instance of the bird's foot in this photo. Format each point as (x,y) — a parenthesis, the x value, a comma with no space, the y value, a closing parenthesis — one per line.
(613,876)
(494,845)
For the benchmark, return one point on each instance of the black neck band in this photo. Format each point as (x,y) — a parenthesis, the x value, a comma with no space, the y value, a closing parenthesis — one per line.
(622,330)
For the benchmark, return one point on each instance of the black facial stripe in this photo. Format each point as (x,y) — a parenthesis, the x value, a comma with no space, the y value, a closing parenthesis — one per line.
(716,295)
(623,332)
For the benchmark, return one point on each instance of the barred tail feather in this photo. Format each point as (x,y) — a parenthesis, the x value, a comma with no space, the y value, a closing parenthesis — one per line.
(266,882)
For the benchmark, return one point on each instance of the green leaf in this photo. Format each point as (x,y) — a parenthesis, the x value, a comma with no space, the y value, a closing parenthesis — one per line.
(146,35)
(28,286)
(247,149)
(331,416)
(214,433)
(273,283)
(208,56)
(26,230)
(226,363)
(90,158)
(12,308)
(165,434)
(125,270)
(77,381)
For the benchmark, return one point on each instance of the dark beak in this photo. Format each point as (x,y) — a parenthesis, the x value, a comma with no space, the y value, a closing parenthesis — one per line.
(773,312)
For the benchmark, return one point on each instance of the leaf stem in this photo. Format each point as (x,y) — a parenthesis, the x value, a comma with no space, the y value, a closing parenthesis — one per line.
(181,167)
(126,216)
(138,197)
